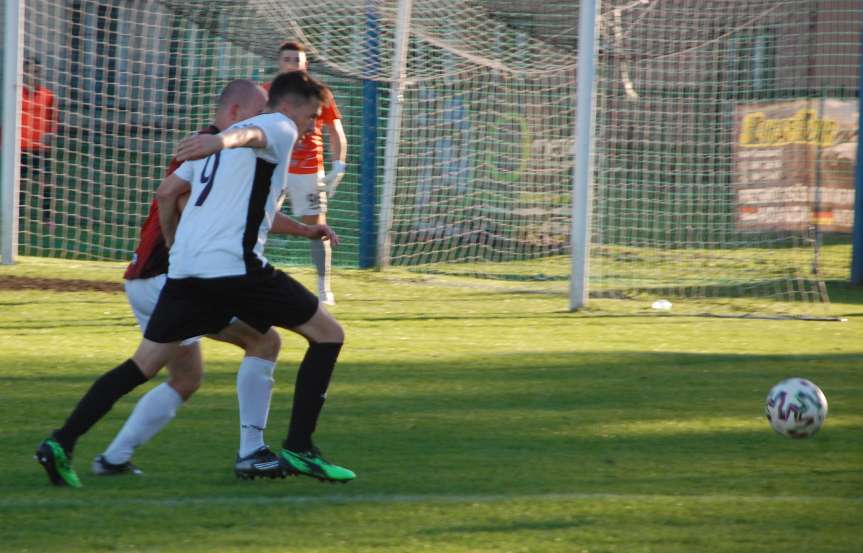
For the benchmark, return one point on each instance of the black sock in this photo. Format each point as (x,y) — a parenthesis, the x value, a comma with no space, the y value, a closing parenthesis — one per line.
(98,400)
(310,392)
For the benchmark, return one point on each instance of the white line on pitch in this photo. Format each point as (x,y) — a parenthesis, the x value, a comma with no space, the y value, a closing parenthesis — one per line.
(336,499)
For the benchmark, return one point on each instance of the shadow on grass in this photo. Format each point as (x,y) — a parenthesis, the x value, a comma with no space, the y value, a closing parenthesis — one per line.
(544,404)
(587,422)
(842,291)
(508,527)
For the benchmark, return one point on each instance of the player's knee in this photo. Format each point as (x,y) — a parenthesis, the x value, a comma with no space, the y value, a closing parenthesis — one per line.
(186,371)
(333,333)
(186,383)
(266,347)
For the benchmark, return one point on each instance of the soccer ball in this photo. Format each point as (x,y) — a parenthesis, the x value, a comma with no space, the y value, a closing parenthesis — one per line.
(796,408)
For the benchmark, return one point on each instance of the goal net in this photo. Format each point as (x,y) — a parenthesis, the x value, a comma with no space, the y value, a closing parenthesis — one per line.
(725,143)
(724,135)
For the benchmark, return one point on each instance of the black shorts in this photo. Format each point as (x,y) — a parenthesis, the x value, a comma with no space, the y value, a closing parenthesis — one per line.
(191,307)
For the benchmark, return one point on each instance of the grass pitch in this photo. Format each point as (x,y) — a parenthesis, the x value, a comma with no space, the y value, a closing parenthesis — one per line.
(478,420)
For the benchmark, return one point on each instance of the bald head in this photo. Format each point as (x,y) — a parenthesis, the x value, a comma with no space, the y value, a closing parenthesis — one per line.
(236,91)
(239,100)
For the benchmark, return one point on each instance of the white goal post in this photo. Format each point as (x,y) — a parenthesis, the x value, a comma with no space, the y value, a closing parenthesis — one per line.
(582,171)
(13,18)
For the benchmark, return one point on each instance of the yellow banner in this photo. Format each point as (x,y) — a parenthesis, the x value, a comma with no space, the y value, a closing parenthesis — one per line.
(794,165)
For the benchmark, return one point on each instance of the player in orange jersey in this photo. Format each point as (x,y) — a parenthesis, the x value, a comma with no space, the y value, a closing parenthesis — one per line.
(309,186)
(38,126)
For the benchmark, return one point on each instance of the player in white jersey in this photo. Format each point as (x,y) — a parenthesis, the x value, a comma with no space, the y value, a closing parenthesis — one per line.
(145,277)
(217,271)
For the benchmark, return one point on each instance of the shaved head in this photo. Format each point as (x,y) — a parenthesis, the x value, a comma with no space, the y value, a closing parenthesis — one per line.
(240,100)
(237,91)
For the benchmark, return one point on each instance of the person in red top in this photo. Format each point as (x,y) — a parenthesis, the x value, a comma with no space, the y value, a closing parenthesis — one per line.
(38,126)
(146,275)
(308,185)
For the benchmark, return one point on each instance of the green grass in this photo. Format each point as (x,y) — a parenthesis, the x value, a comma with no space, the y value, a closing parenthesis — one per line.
(479,419)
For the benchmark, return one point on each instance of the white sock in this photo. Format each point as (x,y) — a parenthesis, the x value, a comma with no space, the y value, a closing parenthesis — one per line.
(154,410)
(254,388)
(322,256)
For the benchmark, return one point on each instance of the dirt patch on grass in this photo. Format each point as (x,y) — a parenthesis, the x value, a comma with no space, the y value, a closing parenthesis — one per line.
(58,284)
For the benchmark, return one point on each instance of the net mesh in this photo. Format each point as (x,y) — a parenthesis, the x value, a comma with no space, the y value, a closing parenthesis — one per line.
(683,206)
(695,198)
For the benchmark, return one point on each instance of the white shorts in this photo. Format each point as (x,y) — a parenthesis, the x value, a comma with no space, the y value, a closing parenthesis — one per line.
(307,195)
(143,294)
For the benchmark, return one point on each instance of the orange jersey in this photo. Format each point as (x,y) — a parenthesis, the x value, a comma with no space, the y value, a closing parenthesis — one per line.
(308,155)
(37,117)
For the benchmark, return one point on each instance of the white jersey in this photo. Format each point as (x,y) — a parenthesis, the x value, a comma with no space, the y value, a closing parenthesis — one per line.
(235,195)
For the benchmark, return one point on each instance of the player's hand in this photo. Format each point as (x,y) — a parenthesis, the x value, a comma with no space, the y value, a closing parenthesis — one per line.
(333,178)
(323,232)
(198,146)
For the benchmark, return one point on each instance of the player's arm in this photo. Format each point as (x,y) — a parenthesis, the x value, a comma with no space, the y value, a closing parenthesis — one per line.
(282,224)
(168,196)
(200,146)
(182,201)
(339,152)
(338,141)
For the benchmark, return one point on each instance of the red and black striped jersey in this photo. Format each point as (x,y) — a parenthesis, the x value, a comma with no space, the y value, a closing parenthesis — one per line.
(151,255)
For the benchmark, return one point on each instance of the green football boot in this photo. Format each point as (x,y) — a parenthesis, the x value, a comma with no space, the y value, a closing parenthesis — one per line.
(54,460)
(311,463)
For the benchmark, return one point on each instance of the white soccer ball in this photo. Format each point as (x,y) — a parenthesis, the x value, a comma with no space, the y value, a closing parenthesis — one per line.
(796,408)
